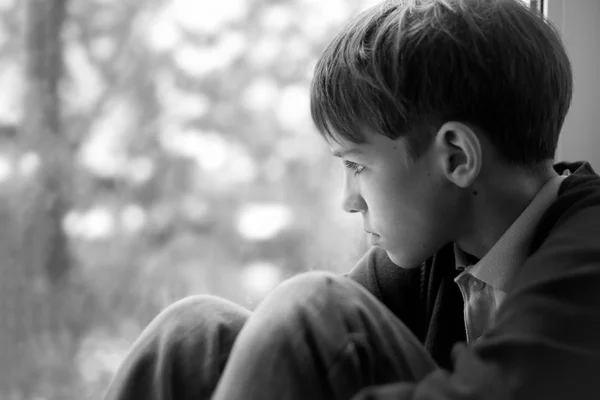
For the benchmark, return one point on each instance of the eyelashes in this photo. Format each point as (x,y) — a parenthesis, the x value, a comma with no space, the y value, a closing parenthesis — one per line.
(357,168)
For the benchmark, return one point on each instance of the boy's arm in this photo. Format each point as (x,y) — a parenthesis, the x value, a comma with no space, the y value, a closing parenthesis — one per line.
(546,340)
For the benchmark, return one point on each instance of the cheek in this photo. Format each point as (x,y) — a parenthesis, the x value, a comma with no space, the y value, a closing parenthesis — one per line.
(400,213)
(419,233)
(419,214)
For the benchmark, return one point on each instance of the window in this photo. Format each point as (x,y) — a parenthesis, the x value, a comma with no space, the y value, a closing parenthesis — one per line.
(190,165)
(537,5)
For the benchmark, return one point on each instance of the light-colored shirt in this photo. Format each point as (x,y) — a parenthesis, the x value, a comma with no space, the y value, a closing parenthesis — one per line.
(484,284)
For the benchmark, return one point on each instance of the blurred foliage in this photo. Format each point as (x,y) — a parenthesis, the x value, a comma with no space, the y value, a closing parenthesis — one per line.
(193,168)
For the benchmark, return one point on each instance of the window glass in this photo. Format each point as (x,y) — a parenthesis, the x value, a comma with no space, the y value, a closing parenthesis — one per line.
(174,156)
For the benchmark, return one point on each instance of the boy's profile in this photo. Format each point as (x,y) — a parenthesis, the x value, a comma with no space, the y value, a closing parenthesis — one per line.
(484,277)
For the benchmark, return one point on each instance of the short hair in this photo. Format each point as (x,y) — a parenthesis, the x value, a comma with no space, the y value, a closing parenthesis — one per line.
(405,67)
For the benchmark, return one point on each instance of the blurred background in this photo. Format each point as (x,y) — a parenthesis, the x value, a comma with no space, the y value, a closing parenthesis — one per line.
(151,150)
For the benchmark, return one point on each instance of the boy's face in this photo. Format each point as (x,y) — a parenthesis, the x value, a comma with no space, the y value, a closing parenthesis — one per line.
(407,206)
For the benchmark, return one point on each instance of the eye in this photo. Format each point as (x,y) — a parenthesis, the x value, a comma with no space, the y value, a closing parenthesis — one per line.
(357,168)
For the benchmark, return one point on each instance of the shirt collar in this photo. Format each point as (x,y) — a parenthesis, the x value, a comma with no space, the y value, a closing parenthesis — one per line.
(510,251)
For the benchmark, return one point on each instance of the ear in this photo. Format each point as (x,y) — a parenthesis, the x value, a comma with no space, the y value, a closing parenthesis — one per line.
(459,152)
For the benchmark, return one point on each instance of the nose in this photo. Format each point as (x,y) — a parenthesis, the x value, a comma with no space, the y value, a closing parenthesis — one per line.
(352,200)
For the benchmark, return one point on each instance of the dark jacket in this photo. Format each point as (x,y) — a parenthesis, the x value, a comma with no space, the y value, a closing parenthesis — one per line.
(546,339)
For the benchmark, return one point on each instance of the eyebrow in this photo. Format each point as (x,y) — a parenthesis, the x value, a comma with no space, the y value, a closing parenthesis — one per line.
(346,152)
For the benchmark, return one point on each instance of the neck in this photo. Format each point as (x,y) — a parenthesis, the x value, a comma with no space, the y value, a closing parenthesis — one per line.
(498,203)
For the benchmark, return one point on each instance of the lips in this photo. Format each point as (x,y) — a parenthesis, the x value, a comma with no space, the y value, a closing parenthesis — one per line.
(374,238)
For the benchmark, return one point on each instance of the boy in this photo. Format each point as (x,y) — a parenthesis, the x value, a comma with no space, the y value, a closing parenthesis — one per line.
(484,278)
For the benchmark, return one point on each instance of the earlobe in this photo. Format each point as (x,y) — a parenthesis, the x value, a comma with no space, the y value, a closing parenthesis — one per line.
(460,153)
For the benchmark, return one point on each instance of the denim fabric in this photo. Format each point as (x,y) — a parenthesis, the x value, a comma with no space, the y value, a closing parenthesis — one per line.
(317,336)
(182,353)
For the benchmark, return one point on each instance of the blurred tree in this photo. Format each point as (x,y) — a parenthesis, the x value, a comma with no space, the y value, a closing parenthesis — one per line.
(46,158)
(40,261)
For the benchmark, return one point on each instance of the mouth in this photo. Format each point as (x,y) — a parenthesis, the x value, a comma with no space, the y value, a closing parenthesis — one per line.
(374,238)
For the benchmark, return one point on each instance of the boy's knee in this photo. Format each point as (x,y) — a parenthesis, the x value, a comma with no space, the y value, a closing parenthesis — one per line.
(190,340)
(199,312)
(302,290)
(309,282)
(197,306)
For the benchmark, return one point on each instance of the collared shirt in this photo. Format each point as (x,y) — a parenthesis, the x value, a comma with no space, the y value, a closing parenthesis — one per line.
(484,284)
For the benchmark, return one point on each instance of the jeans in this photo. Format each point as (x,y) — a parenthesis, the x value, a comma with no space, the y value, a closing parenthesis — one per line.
(316,336)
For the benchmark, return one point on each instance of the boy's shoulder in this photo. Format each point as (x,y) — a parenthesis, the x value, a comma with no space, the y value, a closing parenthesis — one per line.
(579,192)
(581,189)
(579,170)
